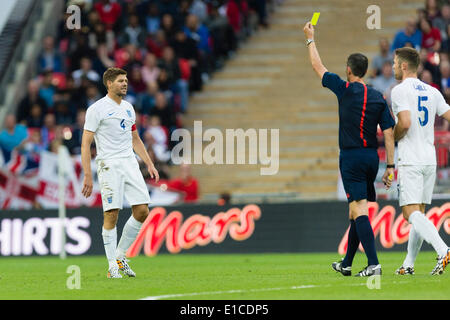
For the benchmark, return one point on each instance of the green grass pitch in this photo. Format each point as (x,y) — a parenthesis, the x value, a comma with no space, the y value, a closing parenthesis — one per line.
(219,277)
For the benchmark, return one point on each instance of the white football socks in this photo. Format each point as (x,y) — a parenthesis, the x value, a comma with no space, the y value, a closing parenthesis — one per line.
(426,229)
(110,242)
(129,234)
(414,244)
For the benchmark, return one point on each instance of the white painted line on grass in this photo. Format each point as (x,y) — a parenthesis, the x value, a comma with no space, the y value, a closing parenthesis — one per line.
(192,294)
(226,291)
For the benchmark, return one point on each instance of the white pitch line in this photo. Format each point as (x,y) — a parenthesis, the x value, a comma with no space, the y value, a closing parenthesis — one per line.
(191,294)
(227,291)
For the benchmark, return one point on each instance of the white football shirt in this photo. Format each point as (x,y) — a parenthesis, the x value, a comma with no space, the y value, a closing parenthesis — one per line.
(112,124)
(424,102)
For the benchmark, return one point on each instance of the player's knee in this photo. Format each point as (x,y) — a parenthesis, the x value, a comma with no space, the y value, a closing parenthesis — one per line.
(409,209)
(140,213)
(355,212)
(358,208)
(358,213)
(406,215)
(143,216)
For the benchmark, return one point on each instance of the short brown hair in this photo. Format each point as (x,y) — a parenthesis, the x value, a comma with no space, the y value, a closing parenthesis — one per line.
(410,56)
(111,74)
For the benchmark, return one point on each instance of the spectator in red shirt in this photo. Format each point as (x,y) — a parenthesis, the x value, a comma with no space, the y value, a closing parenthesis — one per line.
(135,81)
(185,183)
(156,43)
(431,39)
(109,12)
(234,16)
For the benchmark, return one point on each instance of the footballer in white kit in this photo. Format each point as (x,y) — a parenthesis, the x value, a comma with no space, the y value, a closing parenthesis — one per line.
(118,169)
(111,123)
(415,105)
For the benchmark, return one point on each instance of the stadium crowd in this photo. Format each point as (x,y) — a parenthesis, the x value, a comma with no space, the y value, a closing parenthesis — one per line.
(428,33)
(169,50)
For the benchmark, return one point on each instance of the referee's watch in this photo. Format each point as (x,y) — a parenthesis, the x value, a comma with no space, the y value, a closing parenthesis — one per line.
(390,166)
(309,41)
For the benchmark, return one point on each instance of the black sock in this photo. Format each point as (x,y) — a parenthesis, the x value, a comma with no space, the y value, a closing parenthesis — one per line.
(352,245)
(365,235)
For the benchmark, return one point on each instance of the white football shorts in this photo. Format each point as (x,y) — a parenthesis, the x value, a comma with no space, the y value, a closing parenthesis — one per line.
(118,178)
(416,184)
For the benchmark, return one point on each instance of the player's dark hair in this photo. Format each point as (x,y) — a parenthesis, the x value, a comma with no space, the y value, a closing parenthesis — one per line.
(358,63)
(410,56)
(111,74)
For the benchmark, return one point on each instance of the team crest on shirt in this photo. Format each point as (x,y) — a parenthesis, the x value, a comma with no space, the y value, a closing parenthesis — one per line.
(420,87)
(129,113)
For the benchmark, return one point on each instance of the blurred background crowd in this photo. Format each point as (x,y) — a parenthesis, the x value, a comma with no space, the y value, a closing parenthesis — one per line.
(169,49)
(428,33)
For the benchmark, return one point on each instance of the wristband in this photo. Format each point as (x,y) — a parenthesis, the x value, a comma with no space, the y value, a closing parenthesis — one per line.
(390,166)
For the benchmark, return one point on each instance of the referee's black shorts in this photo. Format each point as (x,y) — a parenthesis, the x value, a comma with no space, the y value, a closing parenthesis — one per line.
(359,168)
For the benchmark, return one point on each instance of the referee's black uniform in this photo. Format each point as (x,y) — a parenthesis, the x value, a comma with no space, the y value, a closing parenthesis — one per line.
(361,110)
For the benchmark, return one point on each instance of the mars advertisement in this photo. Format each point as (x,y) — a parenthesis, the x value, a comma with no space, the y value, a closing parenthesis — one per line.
(264,228)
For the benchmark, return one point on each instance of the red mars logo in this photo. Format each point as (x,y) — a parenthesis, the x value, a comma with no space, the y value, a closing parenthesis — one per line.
(393,230)
(195,230)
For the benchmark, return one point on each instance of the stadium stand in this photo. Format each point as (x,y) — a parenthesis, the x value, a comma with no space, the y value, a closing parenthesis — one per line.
(270,84)
(229,64)
(10,28)
(23,29)
(169,49)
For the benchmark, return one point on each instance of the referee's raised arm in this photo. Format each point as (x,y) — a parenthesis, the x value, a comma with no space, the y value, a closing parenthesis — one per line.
(314,57)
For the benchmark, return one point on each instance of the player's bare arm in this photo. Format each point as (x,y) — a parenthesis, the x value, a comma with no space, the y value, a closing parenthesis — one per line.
(314,57)
(403,124)
(86,142)
(389,144)
(139,148)
(446,116)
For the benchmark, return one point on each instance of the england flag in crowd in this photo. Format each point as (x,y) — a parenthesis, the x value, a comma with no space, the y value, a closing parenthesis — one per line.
(30,179)
(18,179)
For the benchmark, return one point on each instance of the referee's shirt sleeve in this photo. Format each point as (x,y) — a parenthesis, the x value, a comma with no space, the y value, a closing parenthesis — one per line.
(387,119)
(333,82)
(91,123)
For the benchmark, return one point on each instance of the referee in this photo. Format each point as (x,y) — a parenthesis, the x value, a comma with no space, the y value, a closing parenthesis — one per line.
(361,110)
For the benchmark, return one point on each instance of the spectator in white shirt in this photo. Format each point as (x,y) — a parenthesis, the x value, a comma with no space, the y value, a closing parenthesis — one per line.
(157,137)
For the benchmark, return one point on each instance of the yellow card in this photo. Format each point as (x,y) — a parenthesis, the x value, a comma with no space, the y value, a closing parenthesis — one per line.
(315,18)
